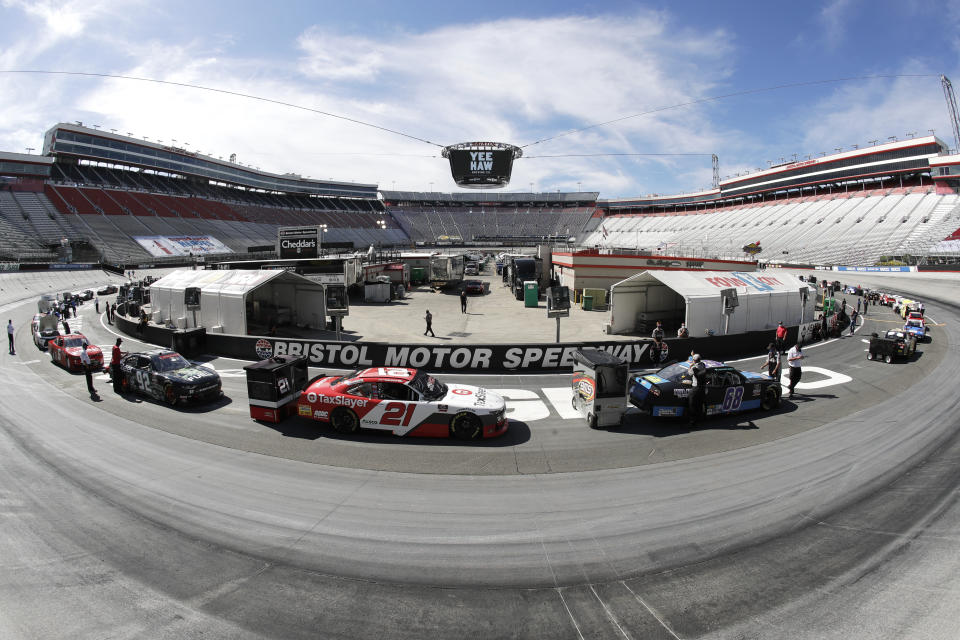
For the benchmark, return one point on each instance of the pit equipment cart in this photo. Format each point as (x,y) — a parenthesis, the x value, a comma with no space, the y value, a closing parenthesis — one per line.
(273,386)
(599,386)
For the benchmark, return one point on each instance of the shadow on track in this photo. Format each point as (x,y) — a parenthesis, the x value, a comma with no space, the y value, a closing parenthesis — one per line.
(295,427)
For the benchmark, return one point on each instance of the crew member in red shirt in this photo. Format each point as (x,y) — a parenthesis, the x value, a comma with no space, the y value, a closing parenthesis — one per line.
(781,336)
(115,356)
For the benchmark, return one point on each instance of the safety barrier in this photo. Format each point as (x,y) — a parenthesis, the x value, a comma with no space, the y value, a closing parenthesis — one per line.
(465,358)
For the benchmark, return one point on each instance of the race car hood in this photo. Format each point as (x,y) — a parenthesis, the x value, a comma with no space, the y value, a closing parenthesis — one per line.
(93,351)
(464,396)
(192,375)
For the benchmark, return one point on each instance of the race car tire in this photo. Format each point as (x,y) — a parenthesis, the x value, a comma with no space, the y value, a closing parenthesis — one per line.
(169,394)
(592,421)
(869,355)
(344,420)
(771,399)
(466,426)
(888,358)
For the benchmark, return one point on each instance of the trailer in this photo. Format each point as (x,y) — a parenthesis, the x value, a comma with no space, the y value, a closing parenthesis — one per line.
(446,271)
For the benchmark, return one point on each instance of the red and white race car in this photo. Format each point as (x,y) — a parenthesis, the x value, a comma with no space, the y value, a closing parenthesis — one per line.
(65,351)
(404,402)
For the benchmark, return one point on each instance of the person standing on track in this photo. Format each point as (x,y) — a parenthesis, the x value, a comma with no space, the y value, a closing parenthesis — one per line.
(697,383)
(13,350)
(115,357)
(429,320)
(463,300)
(96,303)
(772,363)
(853,321)
(781,337)
(795,360)
(87,370)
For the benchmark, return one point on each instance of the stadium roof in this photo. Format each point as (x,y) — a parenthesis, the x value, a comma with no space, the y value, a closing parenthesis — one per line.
(74,140)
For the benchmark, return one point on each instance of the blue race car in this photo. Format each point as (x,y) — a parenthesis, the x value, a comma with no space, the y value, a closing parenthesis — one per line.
(728,390)
(916,328)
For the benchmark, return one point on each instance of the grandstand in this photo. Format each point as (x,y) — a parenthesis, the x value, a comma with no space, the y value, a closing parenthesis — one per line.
(896,200)
(515,218)
(94,195)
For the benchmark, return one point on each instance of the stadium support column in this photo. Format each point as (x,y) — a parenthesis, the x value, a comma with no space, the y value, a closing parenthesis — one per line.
(716,170)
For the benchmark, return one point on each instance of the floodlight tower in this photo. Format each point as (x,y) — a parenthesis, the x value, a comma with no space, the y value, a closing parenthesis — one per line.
(952,108)
(716,171)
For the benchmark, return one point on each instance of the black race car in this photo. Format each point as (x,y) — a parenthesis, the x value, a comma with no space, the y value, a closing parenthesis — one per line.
(168,376)
(107,290)
(727,390)
(896,343)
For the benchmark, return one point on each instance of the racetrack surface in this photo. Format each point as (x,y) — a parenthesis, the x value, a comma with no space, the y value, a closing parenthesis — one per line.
(834,516)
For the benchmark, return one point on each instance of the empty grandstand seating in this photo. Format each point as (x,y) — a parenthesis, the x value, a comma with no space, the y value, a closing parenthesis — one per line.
(427,224)
(111,208)
(839,229)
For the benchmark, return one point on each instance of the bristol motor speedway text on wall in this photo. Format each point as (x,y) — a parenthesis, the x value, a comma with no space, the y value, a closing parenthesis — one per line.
(488,357)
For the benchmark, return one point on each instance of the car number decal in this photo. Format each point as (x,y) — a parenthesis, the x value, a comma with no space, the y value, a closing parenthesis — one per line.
(732,399)
(398,414)
(142,379)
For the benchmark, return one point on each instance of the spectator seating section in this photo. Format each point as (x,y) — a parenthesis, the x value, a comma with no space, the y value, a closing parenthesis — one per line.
(840,229)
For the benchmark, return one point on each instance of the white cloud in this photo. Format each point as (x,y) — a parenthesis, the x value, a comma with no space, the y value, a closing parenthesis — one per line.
(834,18)
(511,80)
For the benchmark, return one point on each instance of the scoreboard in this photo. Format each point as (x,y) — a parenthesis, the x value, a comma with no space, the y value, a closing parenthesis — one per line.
(480,165)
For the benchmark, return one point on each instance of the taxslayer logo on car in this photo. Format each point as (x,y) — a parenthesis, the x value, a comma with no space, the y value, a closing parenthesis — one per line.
(264,349)
(341,401)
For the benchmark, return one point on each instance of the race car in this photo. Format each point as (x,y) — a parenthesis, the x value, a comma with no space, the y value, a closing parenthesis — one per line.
(404,402)
(65,351)
(727,390)
(43,329)
(917,328)
(894,344)
(473,287)
(107,290)
(169,377)
(916,315)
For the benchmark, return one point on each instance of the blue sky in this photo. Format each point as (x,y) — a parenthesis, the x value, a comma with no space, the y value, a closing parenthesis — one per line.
(507,71)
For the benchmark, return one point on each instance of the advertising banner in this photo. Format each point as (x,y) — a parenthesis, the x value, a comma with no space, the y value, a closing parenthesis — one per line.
(164,246)
(298,242)
(903,269)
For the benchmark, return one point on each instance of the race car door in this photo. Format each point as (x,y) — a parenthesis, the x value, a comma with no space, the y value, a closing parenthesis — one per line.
(724,391)
(140,376)
(400,403)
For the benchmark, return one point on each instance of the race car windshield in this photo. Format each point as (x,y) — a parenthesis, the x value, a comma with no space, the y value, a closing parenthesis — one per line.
(673,373)
(170,362)
(429,387)
(73,342)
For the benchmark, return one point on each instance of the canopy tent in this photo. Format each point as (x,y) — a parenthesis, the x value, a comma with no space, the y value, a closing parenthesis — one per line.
(236,301)
(697,298)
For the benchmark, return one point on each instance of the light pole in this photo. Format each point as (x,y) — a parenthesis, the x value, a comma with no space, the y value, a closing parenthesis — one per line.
(321,229)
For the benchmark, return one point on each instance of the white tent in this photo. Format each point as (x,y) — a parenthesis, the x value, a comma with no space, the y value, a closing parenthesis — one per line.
(238,301)
(697,298)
